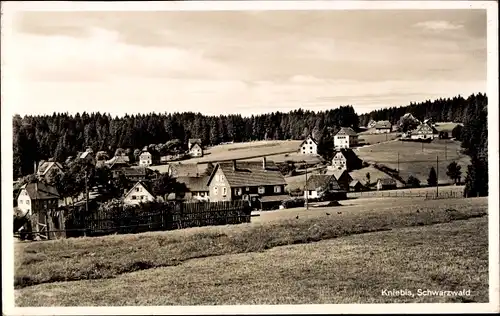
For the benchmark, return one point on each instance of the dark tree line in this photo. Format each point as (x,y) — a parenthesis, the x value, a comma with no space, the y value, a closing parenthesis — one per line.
(440,110)
(61,135)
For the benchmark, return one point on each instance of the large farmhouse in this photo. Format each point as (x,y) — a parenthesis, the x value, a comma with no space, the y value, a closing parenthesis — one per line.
(320,185)
(309,146)
(383,127)
(424,132)
(254,181)
(345,138)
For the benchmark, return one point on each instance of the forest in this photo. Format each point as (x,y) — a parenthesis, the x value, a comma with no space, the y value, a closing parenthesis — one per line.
(60,135)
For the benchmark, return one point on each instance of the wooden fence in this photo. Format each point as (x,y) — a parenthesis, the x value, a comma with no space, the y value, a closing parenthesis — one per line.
(120,219)
(441,194)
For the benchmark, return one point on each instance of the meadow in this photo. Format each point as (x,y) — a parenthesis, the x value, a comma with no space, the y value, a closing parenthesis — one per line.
(415,159)
(367,138)
(113,256)
(326,272)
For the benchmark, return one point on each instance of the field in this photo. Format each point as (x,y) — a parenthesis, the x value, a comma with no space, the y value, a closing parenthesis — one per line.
(370,139)
(415,161)
(245,263)
(276,148)
(375,174)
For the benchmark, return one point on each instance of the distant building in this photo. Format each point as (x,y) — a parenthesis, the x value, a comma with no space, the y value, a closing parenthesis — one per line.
(424,132)
(383,127)
(356,186)
(260,183)
(47,167)
(386,184)
(148,158)
(197,188)
(88,155)
(195,150)
(309,146)
(371,124)
(131,174)
(193,141)
(345,138)
(176,170)
(345,159)
(320,185)
(343,178)
(118,162)
(140,193)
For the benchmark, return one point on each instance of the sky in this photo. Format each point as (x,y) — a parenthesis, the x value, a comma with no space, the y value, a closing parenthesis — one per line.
(245,62)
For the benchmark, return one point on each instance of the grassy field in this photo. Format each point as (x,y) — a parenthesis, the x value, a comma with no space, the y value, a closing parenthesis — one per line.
(333,271)
(111,256)
(369,139)
(415,161)
(444,192)
(246,149)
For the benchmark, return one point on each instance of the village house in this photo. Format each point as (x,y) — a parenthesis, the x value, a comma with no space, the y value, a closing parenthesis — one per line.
(261,183)
(345,138)
(386,184)
(88,155)
(371,124)
(118,162)
(446,130)
(197,188)
(343,178)
(41,202)
(193,141)
(176,170)
(140,193)
(321,186)
(147,158)
(383,127)
(424,132)
(356,186)
(46,168)
(195,150)
(345,159)
(309,146)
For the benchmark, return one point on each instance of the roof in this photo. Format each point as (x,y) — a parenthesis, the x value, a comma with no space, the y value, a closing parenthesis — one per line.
(118,160)
(140,183)
(46,166)
(419,129)
(195,184)
(195,145)
(129,171)
(346,131)
(387,181)
(195,141)
(339,173)
(41,191)
(183,170)
(348,154)
(85,154)
(317,181)
(250,173)
(309,138)
(383,124)
(354,183)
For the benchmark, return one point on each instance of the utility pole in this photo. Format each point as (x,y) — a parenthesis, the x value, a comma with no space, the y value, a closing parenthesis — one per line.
(437,176)
(422,146)
(86,205)
(445,149)
(307,191)
(398,161)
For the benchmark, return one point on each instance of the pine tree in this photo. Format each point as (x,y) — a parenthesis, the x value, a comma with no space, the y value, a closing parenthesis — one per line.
(454,172)
(432,179)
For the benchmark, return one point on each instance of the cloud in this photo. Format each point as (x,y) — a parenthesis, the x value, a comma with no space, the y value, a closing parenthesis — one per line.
(438,26)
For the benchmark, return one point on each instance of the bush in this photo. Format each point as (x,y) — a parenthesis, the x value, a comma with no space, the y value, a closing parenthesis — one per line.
(413,182)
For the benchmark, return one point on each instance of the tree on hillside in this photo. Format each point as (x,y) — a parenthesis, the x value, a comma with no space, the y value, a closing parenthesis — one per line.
(367,176)
(210,169)
(407,124)
(432,179)
(413,182)
(454,172)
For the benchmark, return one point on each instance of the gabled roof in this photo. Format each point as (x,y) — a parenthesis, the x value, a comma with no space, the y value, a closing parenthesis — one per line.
(194,141)
(339,173)
(321,181)
(139,183)
(309,138)
(421,127)
(118,160)
(86,154)
(183,170)
(195,145)
(354,183)
(387,181)
(46,166)
(383,124)
(346,131)
(250,173)
(131,172)
(195,184)
(41,191)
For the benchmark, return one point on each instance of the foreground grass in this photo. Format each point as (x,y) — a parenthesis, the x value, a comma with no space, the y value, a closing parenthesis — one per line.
(353,269)
(108,257)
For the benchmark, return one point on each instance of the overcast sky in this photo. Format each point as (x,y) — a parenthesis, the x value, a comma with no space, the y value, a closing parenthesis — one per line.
(245,62)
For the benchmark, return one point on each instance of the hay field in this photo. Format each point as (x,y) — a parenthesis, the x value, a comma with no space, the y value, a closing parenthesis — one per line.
(415,161)
(370,139)
(329,271)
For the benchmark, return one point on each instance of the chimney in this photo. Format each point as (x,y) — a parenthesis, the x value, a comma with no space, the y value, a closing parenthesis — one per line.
(264,163)
(234,165)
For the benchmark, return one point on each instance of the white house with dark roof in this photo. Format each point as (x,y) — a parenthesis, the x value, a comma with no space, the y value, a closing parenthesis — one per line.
(259,182)
(382,127)
(195,150)
(88,155)
(319,185)
(346,137)
(193,141)
(309,146)
(140,193)
(424,132)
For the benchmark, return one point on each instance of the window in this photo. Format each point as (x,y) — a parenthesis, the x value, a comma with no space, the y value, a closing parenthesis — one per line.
(262,190)
(202,194)
(310,142)
(224,191)
(310,148)
(27,201)
(216,190)
(21,202)
(137,189)
(134,197)
(238,191)
(142,197)
(277,189)
(304,148)
(247,189)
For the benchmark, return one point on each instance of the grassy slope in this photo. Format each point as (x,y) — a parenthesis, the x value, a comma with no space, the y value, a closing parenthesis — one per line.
(369,139)
(409,152)
(352,269)
(110,256)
